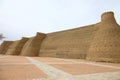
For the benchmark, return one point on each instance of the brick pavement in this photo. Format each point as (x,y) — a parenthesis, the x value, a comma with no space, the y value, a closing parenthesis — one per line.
(45,68)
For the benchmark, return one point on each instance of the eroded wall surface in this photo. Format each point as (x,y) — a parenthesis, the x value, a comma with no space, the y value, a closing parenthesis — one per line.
(32,46)
(106,43)
(72,43)
(16,47)
(5,46)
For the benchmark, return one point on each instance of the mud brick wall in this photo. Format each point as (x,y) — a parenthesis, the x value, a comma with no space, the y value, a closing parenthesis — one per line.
(32,46)
(72,43)
(16,47)
(106,43)
(5,46)
(96,42)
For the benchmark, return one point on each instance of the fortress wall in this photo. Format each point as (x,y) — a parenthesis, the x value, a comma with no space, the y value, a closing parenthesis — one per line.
(32,46)
(17,46)
(72,43)
(11,50)
(106,43)
(4,46)
(97,42)
(20,45)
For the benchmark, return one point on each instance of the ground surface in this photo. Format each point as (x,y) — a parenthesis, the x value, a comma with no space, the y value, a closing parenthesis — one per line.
(45,68)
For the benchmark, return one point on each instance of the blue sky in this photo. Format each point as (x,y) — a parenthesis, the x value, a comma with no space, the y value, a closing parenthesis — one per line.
(26,17)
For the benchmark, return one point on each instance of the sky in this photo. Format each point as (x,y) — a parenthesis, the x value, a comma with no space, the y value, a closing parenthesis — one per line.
(23,18)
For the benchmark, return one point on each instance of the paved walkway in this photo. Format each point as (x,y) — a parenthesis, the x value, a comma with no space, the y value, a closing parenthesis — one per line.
(45,68)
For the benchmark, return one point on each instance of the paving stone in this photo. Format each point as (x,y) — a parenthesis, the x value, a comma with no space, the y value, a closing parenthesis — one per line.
(46,68)
(79,69)
(20,72)
(13,59)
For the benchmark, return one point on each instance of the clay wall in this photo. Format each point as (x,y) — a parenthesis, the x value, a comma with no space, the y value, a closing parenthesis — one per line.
(106,43)
(16,47)
(97,42)
(72,43)
(4,46)
(32,46)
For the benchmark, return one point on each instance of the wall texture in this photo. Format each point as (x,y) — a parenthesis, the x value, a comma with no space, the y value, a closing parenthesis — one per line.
(5,46)
(16,47)
(32,46)
(72,43)
(106,43)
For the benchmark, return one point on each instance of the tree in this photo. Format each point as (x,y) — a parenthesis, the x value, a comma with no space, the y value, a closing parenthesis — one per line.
(1,36)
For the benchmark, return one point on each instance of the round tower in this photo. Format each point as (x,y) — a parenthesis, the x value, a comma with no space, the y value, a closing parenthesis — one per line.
(108,17)
(106,43)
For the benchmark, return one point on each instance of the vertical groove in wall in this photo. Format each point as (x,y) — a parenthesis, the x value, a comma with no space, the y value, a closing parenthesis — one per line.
(16,47)
(5,46)
(32,46)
